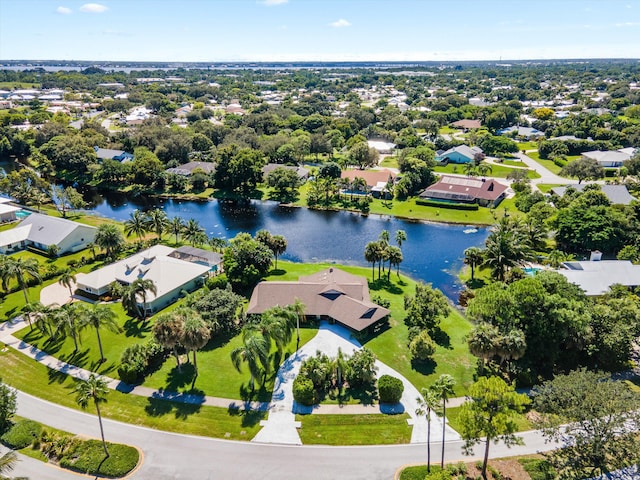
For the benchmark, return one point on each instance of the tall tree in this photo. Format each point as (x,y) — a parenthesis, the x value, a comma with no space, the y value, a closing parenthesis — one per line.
(298,308)
(428,402)
(138,290)
(157,222)
(394,255)
(136,224)
(483,343)
(7,463)
(371,255)
(109,238)
(254,351)
(7,405)
(67,322)
(473,256)
(68,279)
(99,316)
(490,413)
(595,419)
(176,226)
(93,389)
(193,231)
(401,237)
(195,335)
(22,268)
(278,246)
(444,388)
(506,247)
(167,331)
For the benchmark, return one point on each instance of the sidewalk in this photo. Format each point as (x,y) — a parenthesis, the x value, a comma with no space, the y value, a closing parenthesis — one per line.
(280,427)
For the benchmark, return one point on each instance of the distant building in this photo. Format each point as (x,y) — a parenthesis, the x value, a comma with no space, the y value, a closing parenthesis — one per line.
(467,124)
(302,172)
(382,147)
(597,276)
(108,154)
(484,192)
(459,154)
(617,194)
(518,131)
(610,158)
(188,168)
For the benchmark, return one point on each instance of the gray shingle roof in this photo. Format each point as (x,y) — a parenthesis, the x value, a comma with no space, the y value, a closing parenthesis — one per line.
(617,194)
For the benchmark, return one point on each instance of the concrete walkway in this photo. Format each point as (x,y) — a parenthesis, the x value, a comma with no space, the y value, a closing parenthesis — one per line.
(280,427)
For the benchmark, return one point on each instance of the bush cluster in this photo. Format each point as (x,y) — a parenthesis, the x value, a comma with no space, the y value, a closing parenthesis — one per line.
(88,457)
(139,360)
(22,434)
(390,389)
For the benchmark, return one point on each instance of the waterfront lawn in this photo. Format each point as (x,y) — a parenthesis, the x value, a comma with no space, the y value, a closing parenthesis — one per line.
(497,171)
(371,429)
(390,346)
(22,373)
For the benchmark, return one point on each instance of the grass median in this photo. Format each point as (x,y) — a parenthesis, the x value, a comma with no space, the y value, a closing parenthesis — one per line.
(371,429)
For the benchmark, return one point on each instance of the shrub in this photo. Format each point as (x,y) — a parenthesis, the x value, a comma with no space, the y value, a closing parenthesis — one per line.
(303,391)
(453,206)
(422,346)
(88,457)
(362,369)
(390,389)
(22,434)
(139,360)
(441,475)
(219,281)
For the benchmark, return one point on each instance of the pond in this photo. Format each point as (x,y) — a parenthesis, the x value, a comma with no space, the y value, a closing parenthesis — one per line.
(432,253)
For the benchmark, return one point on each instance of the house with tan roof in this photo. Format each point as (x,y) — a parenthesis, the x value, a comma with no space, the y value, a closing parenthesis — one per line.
(377,180)
(484,192)
(331,294)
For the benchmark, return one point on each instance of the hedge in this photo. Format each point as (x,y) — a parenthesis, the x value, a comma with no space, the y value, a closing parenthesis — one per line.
(454,206)
(22,434)
(303,391)
(88,457)
(390,389)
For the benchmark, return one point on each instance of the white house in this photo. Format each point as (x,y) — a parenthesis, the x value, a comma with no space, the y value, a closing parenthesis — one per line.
(595,277)
(42,231)
(610,158)
(170,276)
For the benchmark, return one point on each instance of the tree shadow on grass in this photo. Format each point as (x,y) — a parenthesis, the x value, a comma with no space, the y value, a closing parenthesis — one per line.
(259,394)
(182,405)
(179,379)
(136,328)
(475,283)
(386,285)
(442,338)
(425,367)
(219,339)
(250,418)
(277,272)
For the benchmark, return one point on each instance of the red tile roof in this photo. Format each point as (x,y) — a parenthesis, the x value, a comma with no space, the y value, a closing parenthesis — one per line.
(466,189)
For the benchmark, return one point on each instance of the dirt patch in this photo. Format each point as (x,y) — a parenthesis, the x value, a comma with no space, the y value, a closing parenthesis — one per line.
(508,470)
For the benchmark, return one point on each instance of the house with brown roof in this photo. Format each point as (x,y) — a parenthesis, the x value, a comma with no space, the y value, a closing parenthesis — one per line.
(331,294)
(485,192)
(377,180)
(467,124)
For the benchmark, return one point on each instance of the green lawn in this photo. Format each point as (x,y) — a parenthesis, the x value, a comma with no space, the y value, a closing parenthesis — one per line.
(390,346)
(389,162)
(453,416)
(446,130)
(21,372)
(498,171)
(373,429)
(527,145)
(546,187)
(548,164)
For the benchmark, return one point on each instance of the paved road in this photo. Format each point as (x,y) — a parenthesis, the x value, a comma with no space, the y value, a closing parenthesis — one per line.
(175,456)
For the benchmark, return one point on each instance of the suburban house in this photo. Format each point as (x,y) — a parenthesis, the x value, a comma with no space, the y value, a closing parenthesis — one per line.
(485,192)
(169,274)
(459,154)
(610,158)
(376,180)
(303,173)
(331,294)
(42,231)
(617,194)
(382,147)
(188,168)
(213,260)
(596,276)
(108,154)
(518,131)
(467,124)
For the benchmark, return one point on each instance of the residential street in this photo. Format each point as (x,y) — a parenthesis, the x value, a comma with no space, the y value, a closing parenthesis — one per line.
(174,456)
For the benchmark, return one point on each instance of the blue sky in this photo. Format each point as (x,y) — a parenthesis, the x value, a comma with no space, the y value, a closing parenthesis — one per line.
(318,30)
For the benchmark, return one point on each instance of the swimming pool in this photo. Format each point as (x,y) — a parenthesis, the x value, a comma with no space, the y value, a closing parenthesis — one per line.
(531,271)
(20,214)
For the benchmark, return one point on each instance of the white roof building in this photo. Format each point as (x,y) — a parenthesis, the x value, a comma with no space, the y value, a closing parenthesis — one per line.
(596,277)
(610,158)
(169,275)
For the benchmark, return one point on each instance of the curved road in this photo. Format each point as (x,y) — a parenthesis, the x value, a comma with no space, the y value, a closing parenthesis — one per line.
(174,456)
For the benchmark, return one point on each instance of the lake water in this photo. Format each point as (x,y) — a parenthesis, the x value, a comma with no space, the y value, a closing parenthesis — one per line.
(432,253)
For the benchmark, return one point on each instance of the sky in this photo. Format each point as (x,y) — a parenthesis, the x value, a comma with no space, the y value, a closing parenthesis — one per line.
(318,30)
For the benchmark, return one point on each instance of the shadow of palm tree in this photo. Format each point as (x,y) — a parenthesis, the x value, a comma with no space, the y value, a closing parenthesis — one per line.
(250,418)
(134,327)
(176,380)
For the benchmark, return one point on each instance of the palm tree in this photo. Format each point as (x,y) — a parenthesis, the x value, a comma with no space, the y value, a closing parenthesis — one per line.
(470,169)
(175,226)
(401,237)
(278,246)
(483,168)
(444,388)
(92,248)
(506,246)
(66,321)
(217,244)
(109,238)
(99,316)
(339,365)
(38,311)
(138,289)
(7,463)
(5,272)
(68,279)
(371,255)
(428,402)
(276,325)
(254,351)
(557,257)
(195,335)
(395,258)
(93,389)
(167,331)
(384,236)
(157,221)
(193,232)
(473,256)
(512,346)
(20,269)
(136,225)
(299,309)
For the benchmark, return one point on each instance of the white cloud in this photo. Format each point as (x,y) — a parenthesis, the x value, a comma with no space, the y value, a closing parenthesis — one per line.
(63,10)
(93,8)
(627,24)
(271,3)
(340,23)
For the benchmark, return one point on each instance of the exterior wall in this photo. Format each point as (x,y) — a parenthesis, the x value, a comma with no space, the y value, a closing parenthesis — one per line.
(13,247)
(455,157)
(101,291)
(78,239)
(8,217)
(168,298)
